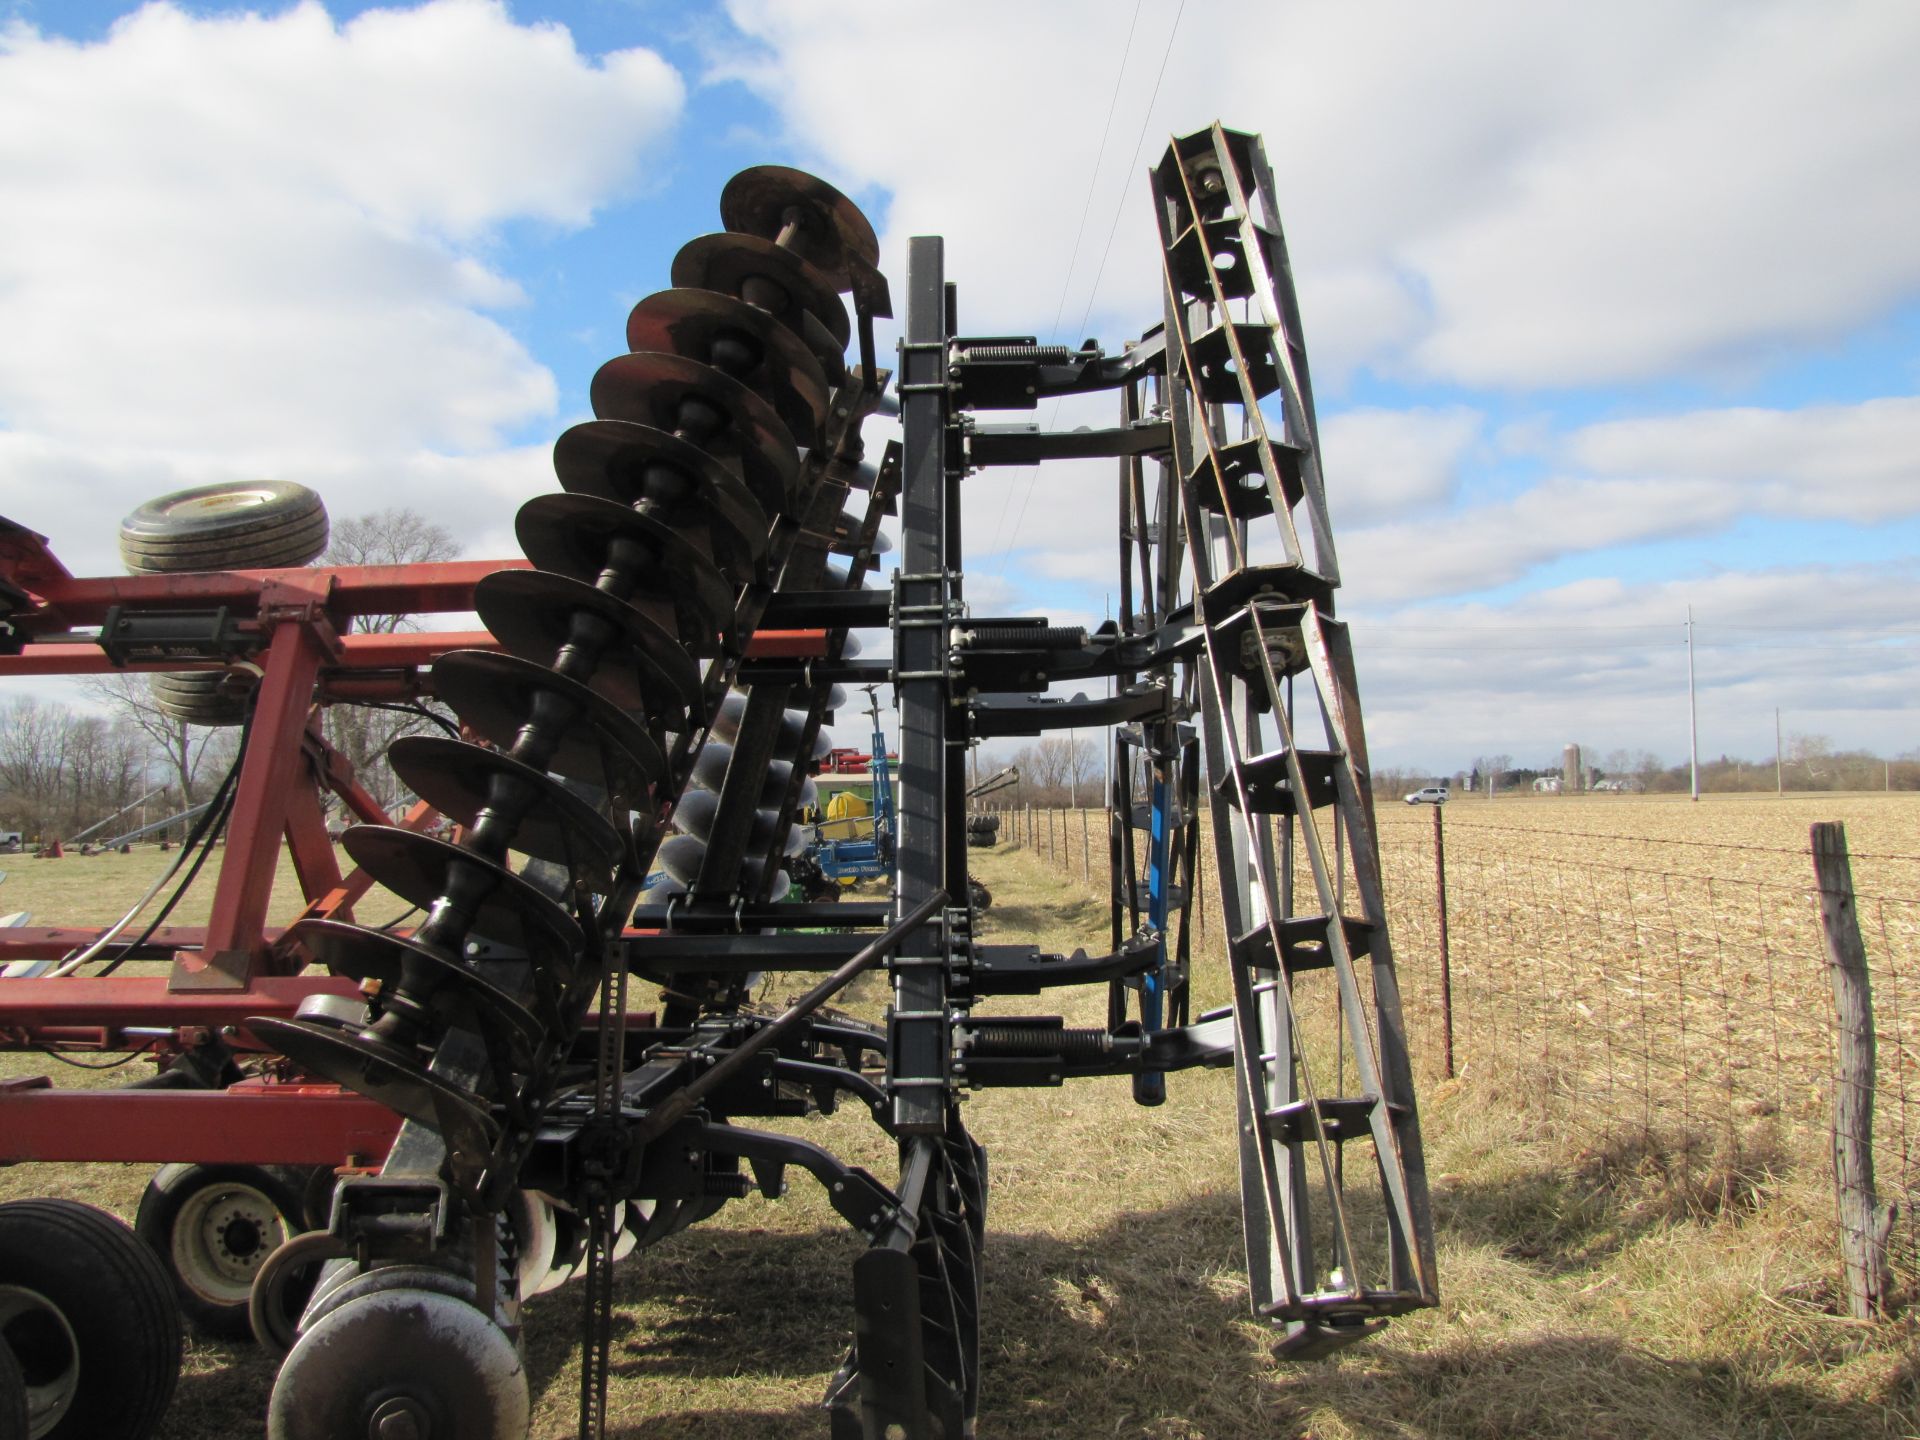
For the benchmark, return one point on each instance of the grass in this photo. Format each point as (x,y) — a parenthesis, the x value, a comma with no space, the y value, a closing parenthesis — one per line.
(1590,1287)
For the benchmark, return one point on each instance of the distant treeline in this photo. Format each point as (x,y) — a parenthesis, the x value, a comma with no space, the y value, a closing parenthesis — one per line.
(1810,766)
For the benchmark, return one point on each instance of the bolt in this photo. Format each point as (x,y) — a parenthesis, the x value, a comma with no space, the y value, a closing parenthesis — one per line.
(399,1419)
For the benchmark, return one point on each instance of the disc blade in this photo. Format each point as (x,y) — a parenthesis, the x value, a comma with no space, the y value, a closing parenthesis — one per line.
(643,668)
(572,535)
(418,868)
(828,226)
(753,347)
(459,780)
(461,995)
(650,387)
(612,459)
(404,1086)
(599,743)
(737,264)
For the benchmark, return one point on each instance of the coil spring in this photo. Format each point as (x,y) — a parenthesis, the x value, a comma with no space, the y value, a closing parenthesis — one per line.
(1037,637)
(1030,354)
(1007,1042)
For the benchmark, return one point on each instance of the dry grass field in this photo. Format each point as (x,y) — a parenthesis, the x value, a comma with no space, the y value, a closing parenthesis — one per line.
(1616,1260)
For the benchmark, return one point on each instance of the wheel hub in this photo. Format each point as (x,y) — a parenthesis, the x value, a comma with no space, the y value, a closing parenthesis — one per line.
(37,1332)
(400,1419)
(223,1235)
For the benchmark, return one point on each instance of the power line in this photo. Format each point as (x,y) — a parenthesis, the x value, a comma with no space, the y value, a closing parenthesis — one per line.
(1093,179)
(1086,206)
(1146,118)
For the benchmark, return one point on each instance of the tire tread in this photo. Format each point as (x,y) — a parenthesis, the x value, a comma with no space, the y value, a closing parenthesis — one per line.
(137,1285)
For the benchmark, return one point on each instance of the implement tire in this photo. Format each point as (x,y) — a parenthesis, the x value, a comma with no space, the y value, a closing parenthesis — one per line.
(212,1227)
(87,1311)
(234,525)
(13,1398)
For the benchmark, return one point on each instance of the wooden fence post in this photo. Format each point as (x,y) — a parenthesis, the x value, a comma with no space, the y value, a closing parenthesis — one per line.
(1864,1223)
(1086,851)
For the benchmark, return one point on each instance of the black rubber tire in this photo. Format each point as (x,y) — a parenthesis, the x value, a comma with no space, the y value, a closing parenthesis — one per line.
(13,1397)
(117,1302)
(203,697)
(173,1189)
(235,525)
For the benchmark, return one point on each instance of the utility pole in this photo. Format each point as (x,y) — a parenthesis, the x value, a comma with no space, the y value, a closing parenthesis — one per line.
(1693,714)
(1106,735)
(1779,774)
(1073,765)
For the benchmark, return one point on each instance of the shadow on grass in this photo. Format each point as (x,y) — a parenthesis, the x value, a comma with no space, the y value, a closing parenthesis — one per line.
(1142,1329)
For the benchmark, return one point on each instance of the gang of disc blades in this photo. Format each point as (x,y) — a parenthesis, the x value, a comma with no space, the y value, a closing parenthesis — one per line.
(610,459)
(648,386)
(570,535)
(455,778)
(404,1086)
(531,613)
(680,857)
(689,322)
(417,867)
(494,695)
(831,228)
(726,724)
(698,809)
(727,261)
(462,996)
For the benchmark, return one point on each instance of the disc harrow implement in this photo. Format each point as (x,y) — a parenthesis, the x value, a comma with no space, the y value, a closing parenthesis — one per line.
(631,789)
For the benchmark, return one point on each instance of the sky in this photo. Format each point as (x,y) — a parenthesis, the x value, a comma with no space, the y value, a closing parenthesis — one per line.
(1612,311)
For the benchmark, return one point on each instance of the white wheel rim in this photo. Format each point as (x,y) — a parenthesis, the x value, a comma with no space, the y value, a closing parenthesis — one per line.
(49,1354)
(222,1237)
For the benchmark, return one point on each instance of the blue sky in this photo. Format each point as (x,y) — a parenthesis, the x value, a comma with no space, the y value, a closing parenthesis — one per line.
(1610,313)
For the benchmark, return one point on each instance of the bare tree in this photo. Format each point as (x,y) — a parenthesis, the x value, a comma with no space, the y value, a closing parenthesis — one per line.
(1812,753)
(388,537)
(61,770)
(30,749)
(1054,768)
(363,733)
(189,752)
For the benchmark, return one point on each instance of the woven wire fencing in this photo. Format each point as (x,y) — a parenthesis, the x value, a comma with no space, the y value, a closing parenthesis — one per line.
(1667,1004)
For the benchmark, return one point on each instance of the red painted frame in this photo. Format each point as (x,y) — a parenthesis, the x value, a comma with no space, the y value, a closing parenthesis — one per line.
(234,967)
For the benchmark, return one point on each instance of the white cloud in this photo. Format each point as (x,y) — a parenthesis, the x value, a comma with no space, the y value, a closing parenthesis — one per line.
(1856,462)
(1604,662)
(1497,192)
(1759,196)
(1488,545)
(247,244)
(1622,482)
(1381,463)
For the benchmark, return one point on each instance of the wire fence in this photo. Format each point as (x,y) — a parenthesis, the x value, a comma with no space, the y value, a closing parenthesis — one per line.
(1669,1004)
